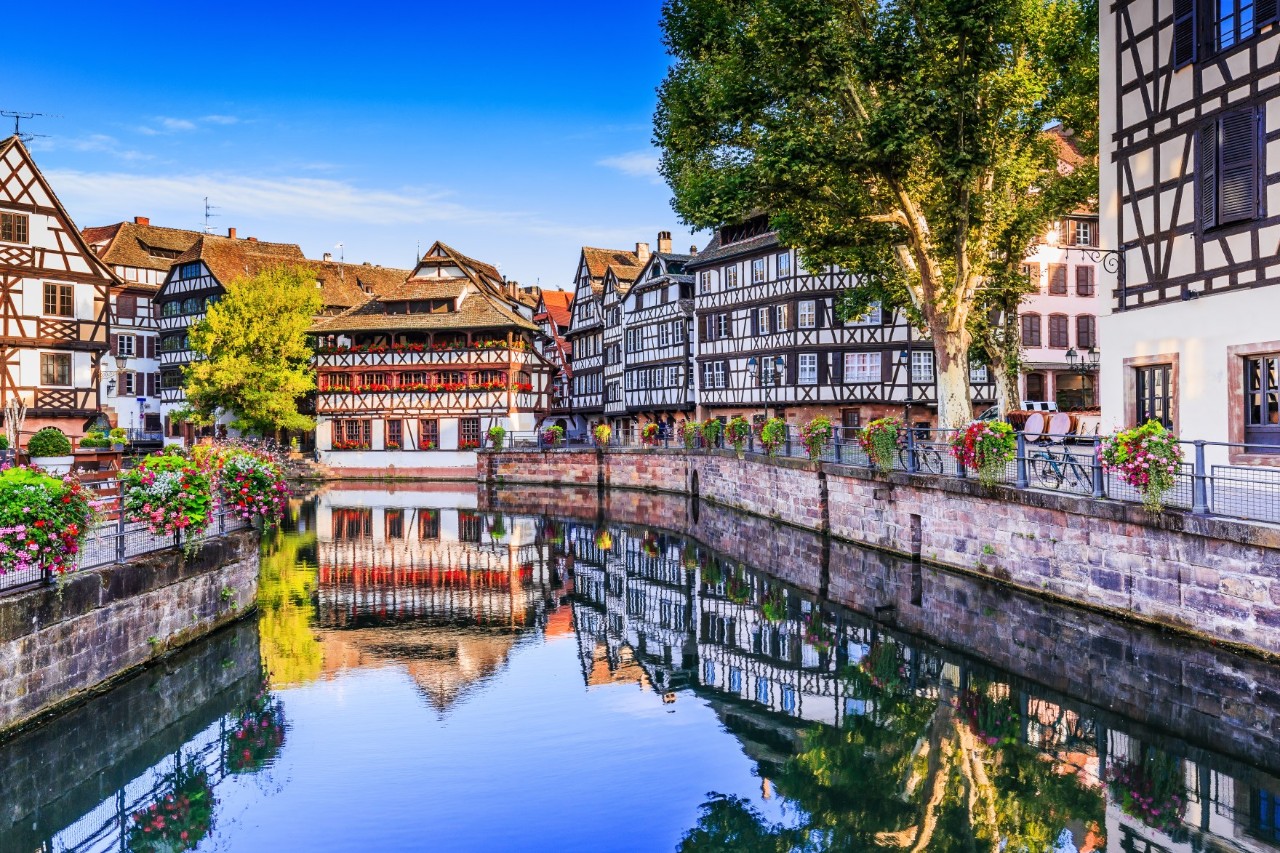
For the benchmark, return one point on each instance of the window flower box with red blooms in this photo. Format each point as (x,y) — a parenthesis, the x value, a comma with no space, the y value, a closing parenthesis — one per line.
(252,487)
(468,444)
(985,447)
(180,819)
(344,444)
(43,521)
(170,494)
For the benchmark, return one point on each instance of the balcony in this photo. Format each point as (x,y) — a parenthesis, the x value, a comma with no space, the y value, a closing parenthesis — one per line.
(434,401)
(423,357)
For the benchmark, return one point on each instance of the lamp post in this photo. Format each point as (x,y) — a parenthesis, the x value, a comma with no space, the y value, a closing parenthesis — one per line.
(1084,365)
(905,360)
(767,373)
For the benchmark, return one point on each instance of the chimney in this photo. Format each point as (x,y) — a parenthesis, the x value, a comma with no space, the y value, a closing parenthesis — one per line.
(664,242)
(250,239)
(642,252)
(693,250)
(141,220)
(231,232)
(328,256)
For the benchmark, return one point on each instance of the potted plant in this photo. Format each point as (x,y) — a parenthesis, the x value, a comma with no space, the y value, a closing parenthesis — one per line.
(711,430)
(880,440)
(553,436)
(43,521)
(1147,458)
(252,486)
(6,452)
(738,431)
(602,433)
(985,447)
(497,435)
(773,434)
(816,434)
(51,450)
(118,438)
(649,435)
(94,440)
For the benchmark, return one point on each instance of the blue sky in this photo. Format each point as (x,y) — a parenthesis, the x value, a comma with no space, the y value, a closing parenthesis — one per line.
(516,132)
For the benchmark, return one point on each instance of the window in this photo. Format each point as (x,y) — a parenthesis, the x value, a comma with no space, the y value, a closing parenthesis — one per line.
(428,433)
(128,384)
(762,320)
(1262,401)
(807,314)
(873,316)
(784,265)
(352,433)
(59,300)
(395,435)
(1084,280)
(1153,385)
(1032,272)
(862,367)
(170,379)
(978,373)
(368,379)
(730,277)
(704,282)
(1057,279)
(352,524)
(664,335)
(1234,21)
(1030,330)
(723,326)
(808,368)
(125,345)
(921,366)
(673,377)
(788,699)
(762,690)
(1035,388)
(759,270)
(171,309)
(708,671)
(13,227)
(735,679)
(469,526)
(55,368)
(1059,336)
(780,318)
(1086,332)
(393,520)
(678,330)
(192,305)
(1229,168)
(187,271)
(713,374)
(469,432)
(428,525)
(1084,232)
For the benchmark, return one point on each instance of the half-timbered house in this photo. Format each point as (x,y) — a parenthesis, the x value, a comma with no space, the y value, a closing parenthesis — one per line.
(615,290)
(769,341)
(141,254)
(552,315)
(414,377)
(586,329)
(1190,198)
(658,346)
(55,302)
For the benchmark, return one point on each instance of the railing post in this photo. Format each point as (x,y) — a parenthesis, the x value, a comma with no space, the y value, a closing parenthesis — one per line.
(1099,485)
(1199,486)
(1022,481)
(912,467)
(788,442)
(751,441)
(962,470)
(120,526)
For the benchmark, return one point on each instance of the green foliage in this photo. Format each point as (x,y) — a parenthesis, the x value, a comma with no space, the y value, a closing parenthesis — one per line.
(773,434)
(880,440)
(49,441)
(95,439)
(255,354)
(4,442)
(711,429)
(816,435)
(602,433)
(118,436)
(738,432)
(903,141)
(497,435)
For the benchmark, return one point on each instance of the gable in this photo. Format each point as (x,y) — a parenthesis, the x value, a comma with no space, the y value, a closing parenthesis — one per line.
(21,184)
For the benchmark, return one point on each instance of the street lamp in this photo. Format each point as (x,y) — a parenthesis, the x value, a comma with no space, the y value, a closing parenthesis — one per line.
(767,374)
(1084,365)
(904,358)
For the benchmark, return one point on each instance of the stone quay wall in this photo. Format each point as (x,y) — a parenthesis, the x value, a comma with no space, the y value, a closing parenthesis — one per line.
(1213,577)
(58,647)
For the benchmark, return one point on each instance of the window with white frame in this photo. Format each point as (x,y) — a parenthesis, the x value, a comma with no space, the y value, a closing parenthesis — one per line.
(678,329)
(807,316)
(704,282)
(713,374)
(664,335)
(921,366)
(1084,232)
(873,316)
(780,318)
(730,277)
(125,345)
(759,270)
(128,384)
(862,367)
(784,265)
(722,325)
(808,368)
(979,373)
(762,320)
(673,377)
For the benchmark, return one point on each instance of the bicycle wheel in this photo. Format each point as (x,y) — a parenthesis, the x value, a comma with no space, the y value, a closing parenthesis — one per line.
(1078,476)
(1046,470)
(929,459)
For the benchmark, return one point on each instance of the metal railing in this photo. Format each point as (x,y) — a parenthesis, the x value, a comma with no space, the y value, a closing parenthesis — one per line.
(1204,484)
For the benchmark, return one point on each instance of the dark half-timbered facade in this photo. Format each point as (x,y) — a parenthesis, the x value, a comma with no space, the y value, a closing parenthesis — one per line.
(55,302)
(658,340)
(413,377)
(586,328)
(1190,197)
(552,314)
(769,340)
(141,254)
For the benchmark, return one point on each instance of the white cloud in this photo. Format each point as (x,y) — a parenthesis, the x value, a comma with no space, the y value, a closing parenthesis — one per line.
(96,143)
(635,164)
(216,119)
(169,124)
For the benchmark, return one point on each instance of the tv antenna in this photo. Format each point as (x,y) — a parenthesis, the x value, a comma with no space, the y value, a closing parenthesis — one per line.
(209,214)
(17,122)
(342,260)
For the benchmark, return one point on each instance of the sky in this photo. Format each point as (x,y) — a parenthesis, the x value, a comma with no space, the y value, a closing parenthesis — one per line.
(516,132)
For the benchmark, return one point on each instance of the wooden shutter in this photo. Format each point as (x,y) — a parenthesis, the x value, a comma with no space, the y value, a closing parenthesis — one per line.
(824,370)
(1085,338)
(887,358)
(149,347)
(1238,167)
(1084,280)
(115,344)
(793,369)
(1265,12)
(755,322)
(1207,175)
(1058,279)
(151,384)
(837,368)
(1033,275)
(820,314)
(704,328)
(1184,31)
(1059,335)
(1031,330)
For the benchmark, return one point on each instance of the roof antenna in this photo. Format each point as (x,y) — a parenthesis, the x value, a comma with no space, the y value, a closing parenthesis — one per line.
(17,123)
(342,260)
(209,214)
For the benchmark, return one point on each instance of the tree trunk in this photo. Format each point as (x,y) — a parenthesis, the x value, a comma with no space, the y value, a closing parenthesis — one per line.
(1007,397)
(951,355)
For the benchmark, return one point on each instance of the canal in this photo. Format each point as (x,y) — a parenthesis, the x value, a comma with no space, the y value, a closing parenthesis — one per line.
(433,669)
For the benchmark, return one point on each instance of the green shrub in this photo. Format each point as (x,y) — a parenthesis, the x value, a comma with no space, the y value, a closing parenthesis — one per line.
(773,434)
(49,441)
(4,442)
(94,439)
(118,436)
(497,435)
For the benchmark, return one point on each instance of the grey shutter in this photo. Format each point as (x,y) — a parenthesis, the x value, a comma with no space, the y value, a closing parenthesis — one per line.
(793,369)
(1207,174)
(837,367)
(1184,31)
(824,370)
(1238,165)
(755,322)
(820,313)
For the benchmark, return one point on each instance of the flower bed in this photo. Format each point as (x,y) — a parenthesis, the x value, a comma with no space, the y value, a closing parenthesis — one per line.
(170,494)
(985,447)
(43,520)
(1146,458)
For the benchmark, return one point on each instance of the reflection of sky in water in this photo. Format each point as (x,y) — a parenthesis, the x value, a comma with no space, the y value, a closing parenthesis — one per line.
(532,760)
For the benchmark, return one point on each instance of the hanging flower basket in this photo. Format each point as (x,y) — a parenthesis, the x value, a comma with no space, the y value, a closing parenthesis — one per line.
(816,435)
(649,435)
(985,447)
(170,494)
(252,486)
(880,440)
(737,432)
(773,435)
(43,521)
(1147,458)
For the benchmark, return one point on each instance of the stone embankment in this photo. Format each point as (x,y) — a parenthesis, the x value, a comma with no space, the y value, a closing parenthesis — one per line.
(58,646)
(1217,578)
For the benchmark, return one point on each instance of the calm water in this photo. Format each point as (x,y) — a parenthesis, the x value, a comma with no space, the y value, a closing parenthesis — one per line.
(445,671)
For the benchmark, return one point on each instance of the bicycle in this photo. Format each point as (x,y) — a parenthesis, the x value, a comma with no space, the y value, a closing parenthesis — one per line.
(928,458)
(1053,470)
